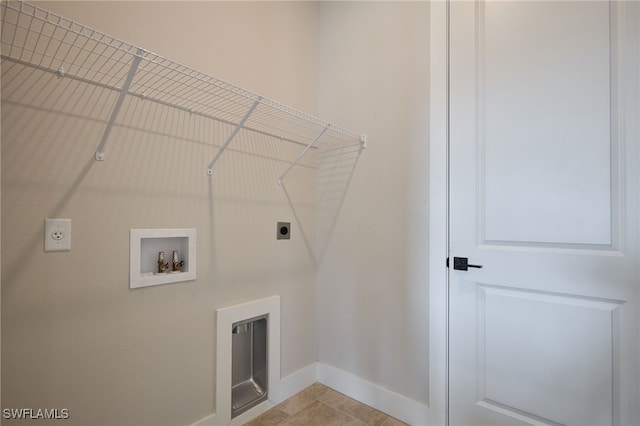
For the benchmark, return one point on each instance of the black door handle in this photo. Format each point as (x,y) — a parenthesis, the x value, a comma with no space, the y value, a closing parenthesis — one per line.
(462,264)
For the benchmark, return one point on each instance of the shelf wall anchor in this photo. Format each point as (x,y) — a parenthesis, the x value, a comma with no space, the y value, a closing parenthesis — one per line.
(232,135)
(116,109)
(302,154)
(363,142)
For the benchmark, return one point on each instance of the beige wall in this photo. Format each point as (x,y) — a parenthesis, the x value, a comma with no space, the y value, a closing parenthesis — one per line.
(74,335)
(372,284)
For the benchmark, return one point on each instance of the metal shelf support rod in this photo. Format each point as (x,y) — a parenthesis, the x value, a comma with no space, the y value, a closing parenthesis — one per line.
(302,154)
(232,135)
(116,109)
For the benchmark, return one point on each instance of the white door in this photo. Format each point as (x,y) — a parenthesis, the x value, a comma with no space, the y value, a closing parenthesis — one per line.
(544,190)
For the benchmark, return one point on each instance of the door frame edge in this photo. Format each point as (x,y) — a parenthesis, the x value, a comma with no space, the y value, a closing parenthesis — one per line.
(438,212)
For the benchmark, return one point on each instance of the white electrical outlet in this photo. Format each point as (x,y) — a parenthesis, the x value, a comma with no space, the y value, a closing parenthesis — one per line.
(57,234)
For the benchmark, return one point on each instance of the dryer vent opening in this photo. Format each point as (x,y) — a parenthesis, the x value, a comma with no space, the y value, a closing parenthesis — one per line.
(249,367)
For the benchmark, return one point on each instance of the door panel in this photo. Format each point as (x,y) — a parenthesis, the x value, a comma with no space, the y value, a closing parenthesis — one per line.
(543,142)
(520,331)
(546,127)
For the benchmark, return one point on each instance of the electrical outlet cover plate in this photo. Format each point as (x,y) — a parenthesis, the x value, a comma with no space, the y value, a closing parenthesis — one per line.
(284,231)
(57,235)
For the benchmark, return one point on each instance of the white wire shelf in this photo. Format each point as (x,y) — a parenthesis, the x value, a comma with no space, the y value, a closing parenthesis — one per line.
(35,37)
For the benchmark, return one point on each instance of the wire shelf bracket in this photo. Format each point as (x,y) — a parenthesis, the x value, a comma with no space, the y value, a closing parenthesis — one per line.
(116,109)
(239,126)
(302,154)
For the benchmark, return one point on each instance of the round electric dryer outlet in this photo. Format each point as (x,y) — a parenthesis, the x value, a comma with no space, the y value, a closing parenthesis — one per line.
(283,231)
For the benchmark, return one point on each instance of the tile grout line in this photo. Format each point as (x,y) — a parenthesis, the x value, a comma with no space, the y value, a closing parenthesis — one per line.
(327,389)
(340,411)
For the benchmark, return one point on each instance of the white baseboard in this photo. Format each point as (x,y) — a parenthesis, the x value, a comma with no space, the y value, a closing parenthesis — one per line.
(295,382)
(207,421)
(243,418)
(252,413)
(391,403)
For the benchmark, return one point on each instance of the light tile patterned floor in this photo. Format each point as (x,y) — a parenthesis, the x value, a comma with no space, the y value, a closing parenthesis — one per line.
(319,405)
